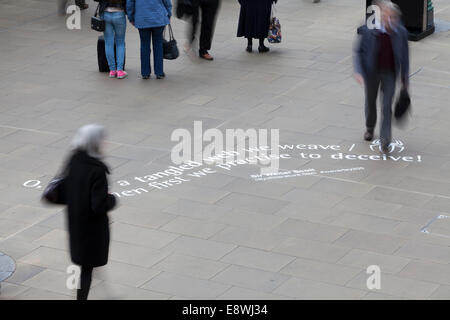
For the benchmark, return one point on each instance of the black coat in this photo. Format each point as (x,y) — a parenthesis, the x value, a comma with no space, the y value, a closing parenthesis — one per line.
(254,18)
(87,199)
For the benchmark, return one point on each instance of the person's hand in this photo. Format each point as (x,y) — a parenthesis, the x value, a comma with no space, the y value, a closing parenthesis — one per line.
(359,78)
(132,22)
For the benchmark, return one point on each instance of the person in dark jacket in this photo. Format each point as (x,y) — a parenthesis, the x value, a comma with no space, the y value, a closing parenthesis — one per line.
(381,56)
(88,202)
(254,22)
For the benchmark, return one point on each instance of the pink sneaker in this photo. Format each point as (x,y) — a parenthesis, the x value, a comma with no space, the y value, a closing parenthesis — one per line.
(121,74)
(112,73)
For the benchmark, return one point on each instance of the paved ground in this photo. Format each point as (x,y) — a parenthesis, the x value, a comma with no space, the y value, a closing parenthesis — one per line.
(225,235)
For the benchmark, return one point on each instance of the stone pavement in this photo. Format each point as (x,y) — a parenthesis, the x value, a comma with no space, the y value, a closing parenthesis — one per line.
(226,236)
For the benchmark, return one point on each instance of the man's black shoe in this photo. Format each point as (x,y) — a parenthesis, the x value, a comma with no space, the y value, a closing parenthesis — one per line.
(368,136)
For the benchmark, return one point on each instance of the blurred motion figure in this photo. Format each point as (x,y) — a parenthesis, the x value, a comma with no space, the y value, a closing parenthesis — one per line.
(381,55)
(209,10)
(62,5)
(86,195)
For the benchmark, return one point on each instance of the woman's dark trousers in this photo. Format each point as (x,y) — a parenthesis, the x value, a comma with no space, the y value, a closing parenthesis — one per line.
(85,283)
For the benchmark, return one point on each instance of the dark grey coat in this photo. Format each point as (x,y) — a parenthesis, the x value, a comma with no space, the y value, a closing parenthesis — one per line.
(365,57)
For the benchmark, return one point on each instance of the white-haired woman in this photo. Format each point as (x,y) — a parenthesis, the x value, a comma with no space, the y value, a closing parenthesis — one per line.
(88,202)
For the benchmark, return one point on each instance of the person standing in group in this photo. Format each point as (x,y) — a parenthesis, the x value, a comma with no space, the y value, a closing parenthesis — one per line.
(150,17)
(85,192)
(113,13)
(209,10)
(254,22)
(381,55)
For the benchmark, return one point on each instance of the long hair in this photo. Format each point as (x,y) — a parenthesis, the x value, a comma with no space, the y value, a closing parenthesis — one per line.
(89,139)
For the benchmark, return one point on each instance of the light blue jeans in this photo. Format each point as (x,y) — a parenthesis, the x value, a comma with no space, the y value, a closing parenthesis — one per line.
(115,28)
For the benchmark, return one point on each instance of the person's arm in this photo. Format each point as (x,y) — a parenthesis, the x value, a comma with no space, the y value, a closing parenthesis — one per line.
(405,61)
(101,200)
(358,53)
(168,5)
(131,10)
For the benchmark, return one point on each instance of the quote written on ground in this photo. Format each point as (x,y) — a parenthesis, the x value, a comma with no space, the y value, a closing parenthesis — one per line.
(342,158)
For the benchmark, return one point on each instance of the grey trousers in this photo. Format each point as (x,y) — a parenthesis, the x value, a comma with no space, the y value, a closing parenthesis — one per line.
(385,80)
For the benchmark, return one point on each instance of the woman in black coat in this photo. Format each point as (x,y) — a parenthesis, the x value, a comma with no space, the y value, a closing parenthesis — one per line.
(254,21)
(88,202)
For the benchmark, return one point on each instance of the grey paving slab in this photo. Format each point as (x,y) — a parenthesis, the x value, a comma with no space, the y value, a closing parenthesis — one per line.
(188,287)
(251,203)
(363,259)
(141,236)
(114,291)
(441,293)
(308,230)
(254,258)
(237,293)
(396,286)
(320,271)
(380,243)
(193,227)
(196,247)
(249,237)
(419,250)
(24,272)
(251,278)
(310,290)
(311,249)
(190,266)
(426,271)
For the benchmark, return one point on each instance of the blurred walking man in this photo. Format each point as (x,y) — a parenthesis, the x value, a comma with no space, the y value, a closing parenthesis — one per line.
(62,5)
(209,9)
(381,55)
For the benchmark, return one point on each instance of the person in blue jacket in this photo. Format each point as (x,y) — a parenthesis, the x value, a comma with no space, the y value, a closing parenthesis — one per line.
(150,17)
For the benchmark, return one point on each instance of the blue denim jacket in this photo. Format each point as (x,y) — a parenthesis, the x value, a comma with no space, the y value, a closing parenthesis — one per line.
(149,13)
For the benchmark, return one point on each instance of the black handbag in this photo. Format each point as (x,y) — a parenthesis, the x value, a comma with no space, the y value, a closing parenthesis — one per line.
(403,104)
(97,23)
(53,193)
(170,48)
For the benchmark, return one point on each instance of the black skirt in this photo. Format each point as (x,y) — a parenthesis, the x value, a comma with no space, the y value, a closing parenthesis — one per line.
(254,18)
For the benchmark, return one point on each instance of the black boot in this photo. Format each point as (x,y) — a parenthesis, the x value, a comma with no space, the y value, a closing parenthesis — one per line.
(262,48)
(249,45)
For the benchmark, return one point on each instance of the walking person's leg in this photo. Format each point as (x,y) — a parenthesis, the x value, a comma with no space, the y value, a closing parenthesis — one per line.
(109,35)
(158,54)
(145,36)
(120,27)
(209,11)
(388,90)
(82,4)
(85,283)
(371,89)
